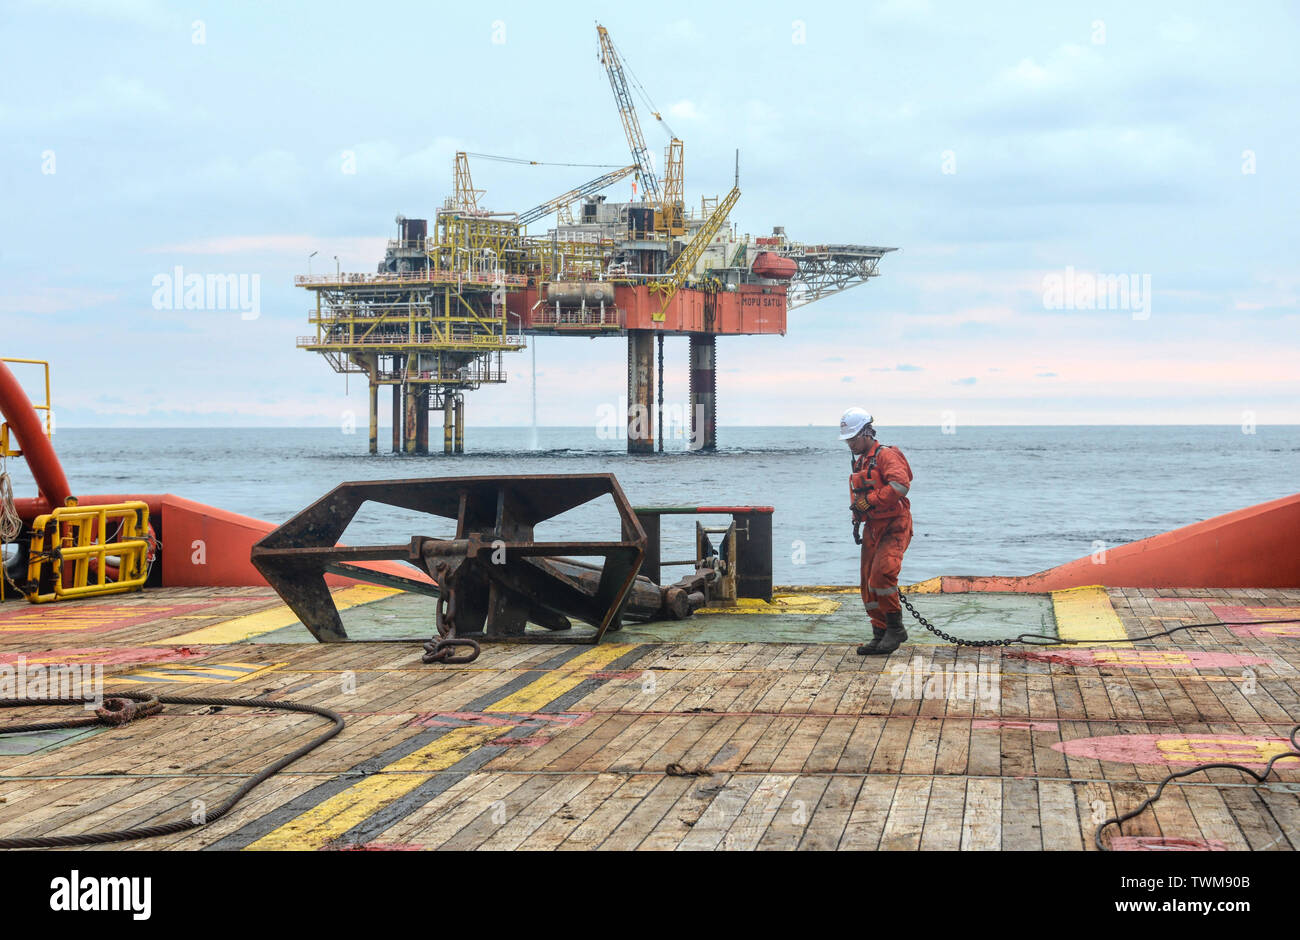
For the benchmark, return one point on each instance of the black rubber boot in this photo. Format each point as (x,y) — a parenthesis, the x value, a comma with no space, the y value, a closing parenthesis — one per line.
(895,635)
(866,649)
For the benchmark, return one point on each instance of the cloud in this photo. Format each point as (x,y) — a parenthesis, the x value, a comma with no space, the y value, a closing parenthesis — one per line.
(969,380)
(49,300)
(685,110)
(293,247)
(1045,375)
(111,98)
(682,30)
(140,12)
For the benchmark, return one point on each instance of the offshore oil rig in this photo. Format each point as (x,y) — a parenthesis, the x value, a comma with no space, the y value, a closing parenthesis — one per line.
(436,317)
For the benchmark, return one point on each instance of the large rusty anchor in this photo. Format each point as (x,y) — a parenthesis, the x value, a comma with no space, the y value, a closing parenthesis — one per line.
(492,578)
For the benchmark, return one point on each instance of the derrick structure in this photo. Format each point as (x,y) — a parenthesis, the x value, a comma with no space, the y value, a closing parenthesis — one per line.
(435,319)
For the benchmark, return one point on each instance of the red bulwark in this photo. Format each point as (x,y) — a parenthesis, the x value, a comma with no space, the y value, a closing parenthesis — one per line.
(207,546)
(1256,547)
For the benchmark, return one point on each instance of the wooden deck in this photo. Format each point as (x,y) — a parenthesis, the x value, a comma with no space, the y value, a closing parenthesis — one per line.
(702,745)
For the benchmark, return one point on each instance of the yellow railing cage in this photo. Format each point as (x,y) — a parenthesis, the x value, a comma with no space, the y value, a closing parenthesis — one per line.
(5,449)
(75,542)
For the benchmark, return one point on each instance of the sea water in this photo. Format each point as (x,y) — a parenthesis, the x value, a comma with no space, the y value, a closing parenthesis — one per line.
(985,500)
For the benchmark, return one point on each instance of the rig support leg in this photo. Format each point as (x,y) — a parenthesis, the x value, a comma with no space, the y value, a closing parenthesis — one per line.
(411,421)
(660,417)
(374,417)
(640,392)
(397,417)
(422,419)
(703,392)
(460,424)
(448,424)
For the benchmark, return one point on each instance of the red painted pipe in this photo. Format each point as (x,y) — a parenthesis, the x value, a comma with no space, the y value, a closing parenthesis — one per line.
(36,447)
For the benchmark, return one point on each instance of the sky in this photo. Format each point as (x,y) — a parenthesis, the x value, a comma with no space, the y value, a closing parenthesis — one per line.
(1017,154)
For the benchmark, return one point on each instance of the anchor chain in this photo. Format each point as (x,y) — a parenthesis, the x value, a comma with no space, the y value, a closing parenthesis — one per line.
(948,636)
(441,648)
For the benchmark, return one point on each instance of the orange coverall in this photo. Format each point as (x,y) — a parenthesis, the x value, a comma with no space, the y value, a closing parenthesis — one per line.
(888,525)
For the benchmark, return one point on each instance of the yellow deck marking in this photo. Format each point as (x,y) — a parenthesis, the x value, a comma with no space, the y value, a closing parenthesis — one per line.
(555,683)
(1085,614)
(928,586)
(46,618)
(1200,749)
(200,672)
(329,820)
(34,625)
(781,604)
(333,817)
(266,621)
(816,589)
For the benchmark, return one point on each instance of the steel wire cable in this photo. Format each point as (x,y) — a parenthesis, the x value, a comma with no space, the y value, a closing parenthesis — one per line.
(147,832)
(1038,639)
(1042,639)
(520,161)
(1116,821)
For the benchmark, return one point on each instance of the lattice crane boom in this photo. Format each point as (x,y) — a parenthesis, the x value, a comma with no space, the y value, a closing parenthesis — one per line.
(586,189)
(465,196)
(627,112)
(681,268)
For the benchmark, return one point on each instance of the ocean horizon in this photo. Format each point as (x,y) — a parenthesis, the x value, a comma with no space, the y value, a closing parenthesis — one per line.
(991,499)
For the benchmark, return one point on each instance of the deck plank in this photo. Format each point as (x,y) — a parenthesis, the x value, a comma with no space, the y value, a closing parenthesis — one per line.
(796,745)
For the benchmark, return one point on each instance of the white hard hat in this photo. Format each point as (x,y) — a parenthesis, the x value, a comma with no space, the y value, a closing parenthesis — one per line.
(851,425)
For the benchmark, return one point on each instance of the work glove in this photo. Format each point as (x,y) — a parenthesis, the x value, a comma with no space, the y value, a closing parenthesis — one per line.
(861,485)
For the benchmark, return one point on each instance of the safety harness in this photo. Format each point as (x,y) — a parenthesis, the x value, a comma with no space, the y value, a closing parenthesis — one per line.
(871,465)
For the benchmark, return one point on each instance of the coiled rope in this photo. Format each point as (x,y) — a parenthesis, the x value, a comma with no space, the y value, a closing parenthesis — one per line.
(122,707)
(11,524)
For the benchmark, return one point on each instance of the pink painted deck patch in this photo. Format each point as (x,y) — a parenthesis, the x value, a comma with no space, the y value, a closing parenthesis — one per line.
(1015,724)
(453,719)
(104,656)
(1165,844)
(1141,658)
(78,616)
(1235,616)
(1178,750)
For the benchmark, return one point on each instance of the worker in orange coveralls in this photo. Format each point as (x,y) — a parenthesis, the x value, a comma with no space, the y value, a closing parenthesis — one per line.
(879,483)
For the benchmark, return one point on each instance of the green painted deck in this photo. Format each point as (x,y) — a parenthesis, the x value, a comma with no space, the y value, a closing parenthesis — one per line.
(791,618)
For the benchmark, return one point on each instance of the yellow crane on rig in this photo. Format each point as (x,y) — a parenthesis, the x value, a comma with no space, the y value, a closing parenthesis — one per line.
(684,265)
(669,195)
